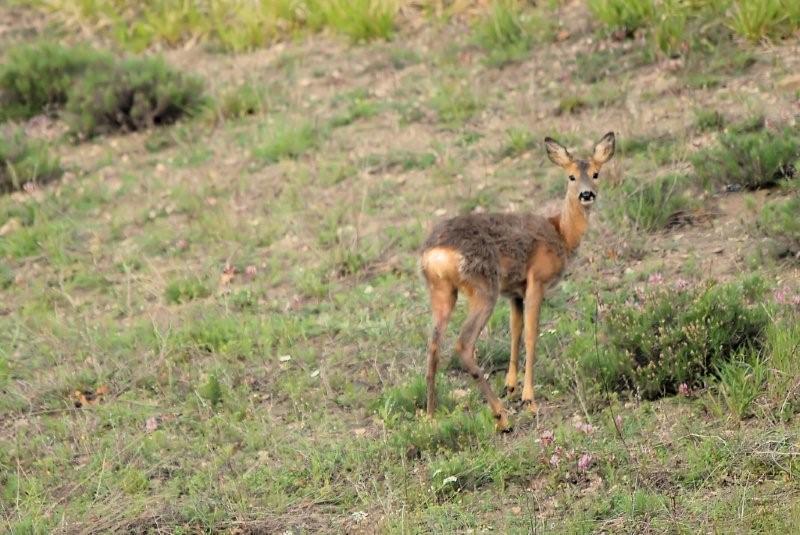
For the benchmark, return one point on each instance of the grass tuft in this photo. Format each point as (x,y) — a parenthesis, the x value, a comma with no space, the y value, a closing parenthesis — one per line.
(25,161)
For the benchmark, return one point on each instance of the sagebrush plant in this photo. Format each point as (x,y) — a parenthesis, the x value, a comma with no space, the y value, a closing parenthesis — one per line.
(24,160)
(36,78)
(670,336)
(135,94)
(653,205)
(753,160)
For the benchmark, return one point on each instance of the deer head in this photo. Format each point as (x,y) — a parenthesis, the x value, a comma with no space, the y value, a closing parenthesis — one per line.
(583,174)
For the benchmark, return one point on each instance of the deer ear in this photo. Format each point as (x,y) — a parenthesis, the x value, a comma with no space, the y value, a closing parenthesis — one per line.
(604,149)
(557,153)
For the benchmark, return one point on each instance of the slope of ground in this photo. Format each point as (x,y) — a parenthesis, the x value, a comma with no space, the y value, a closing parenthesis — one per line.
(220,325)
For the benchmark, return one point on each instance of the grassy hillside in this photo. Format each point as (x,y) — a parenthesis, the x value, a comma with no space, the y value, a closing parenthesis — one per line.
(211,317)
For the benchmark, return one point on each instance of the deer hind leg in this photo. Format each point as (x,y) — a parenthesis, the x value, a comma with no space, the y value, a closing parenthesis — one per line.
(533,303)
(481,303)
(443,300)
(516,334)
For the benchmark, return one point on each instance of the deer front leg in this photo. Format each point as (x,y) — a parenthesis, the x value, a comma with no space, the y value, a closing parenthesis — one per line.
(516,335)
(533,303)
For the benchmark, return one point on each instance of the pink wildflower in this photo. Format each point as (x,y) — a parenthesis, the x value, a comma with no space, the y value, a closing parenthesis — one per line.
(618,421)
(683,390)
(655,278)
(584,428)
(681,284)
(547,438)
(555,459)
(585,462)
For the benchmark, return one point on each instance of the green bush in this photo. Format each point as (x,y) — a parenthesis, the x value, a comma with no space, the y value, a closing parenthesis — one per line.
(780,221)
(23,161)
(623,15)
(37,78)
(654,205)
(670,337)
(135,94)
(750,159)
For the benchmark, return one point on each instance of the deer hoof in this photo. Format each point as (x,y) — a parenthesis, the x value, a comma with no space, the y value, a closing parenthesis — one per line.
(530,405)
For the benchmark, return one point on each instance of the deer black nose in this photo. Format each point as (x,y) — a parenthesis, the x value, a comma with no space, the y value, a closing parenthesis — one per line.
(587,196)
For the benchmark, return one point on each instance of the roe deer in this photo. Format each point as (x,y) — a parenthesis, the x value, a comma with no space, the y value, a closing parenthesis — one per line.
(517,255)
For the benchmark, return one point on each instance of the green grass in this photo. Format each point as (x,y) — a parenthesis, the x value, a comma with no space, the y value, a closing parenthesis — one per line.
(455,103)
(287,140)
(653,205)
(709,120)
(626,16)
(778,221)
(506,33)
(234,25)
(289,394)
(751,159)
(24,161)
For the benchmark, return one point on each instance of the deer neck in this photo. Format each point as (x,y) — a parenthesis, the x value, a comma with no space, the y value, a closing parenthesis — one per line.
(572,223)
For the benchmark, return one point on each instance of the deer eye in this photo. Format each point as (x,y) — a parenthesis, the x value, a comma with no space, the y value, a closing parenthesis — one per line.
(571,177)
(595,175)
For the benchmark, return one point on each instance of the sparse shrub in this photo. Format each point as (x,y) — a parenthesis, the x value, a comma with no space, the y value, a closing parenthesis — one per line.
(780,221)
(455,104)
(185,290)
(712,69)
(404,160)
(358,107)
(507,34)
(706,120)
(654,205)
(670,337)
(24,161)
(246,99)
(624,16)
(518,141)
(288,141)
(135,94)
(752,159)
(37,78)
(570,105)
(211,390)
